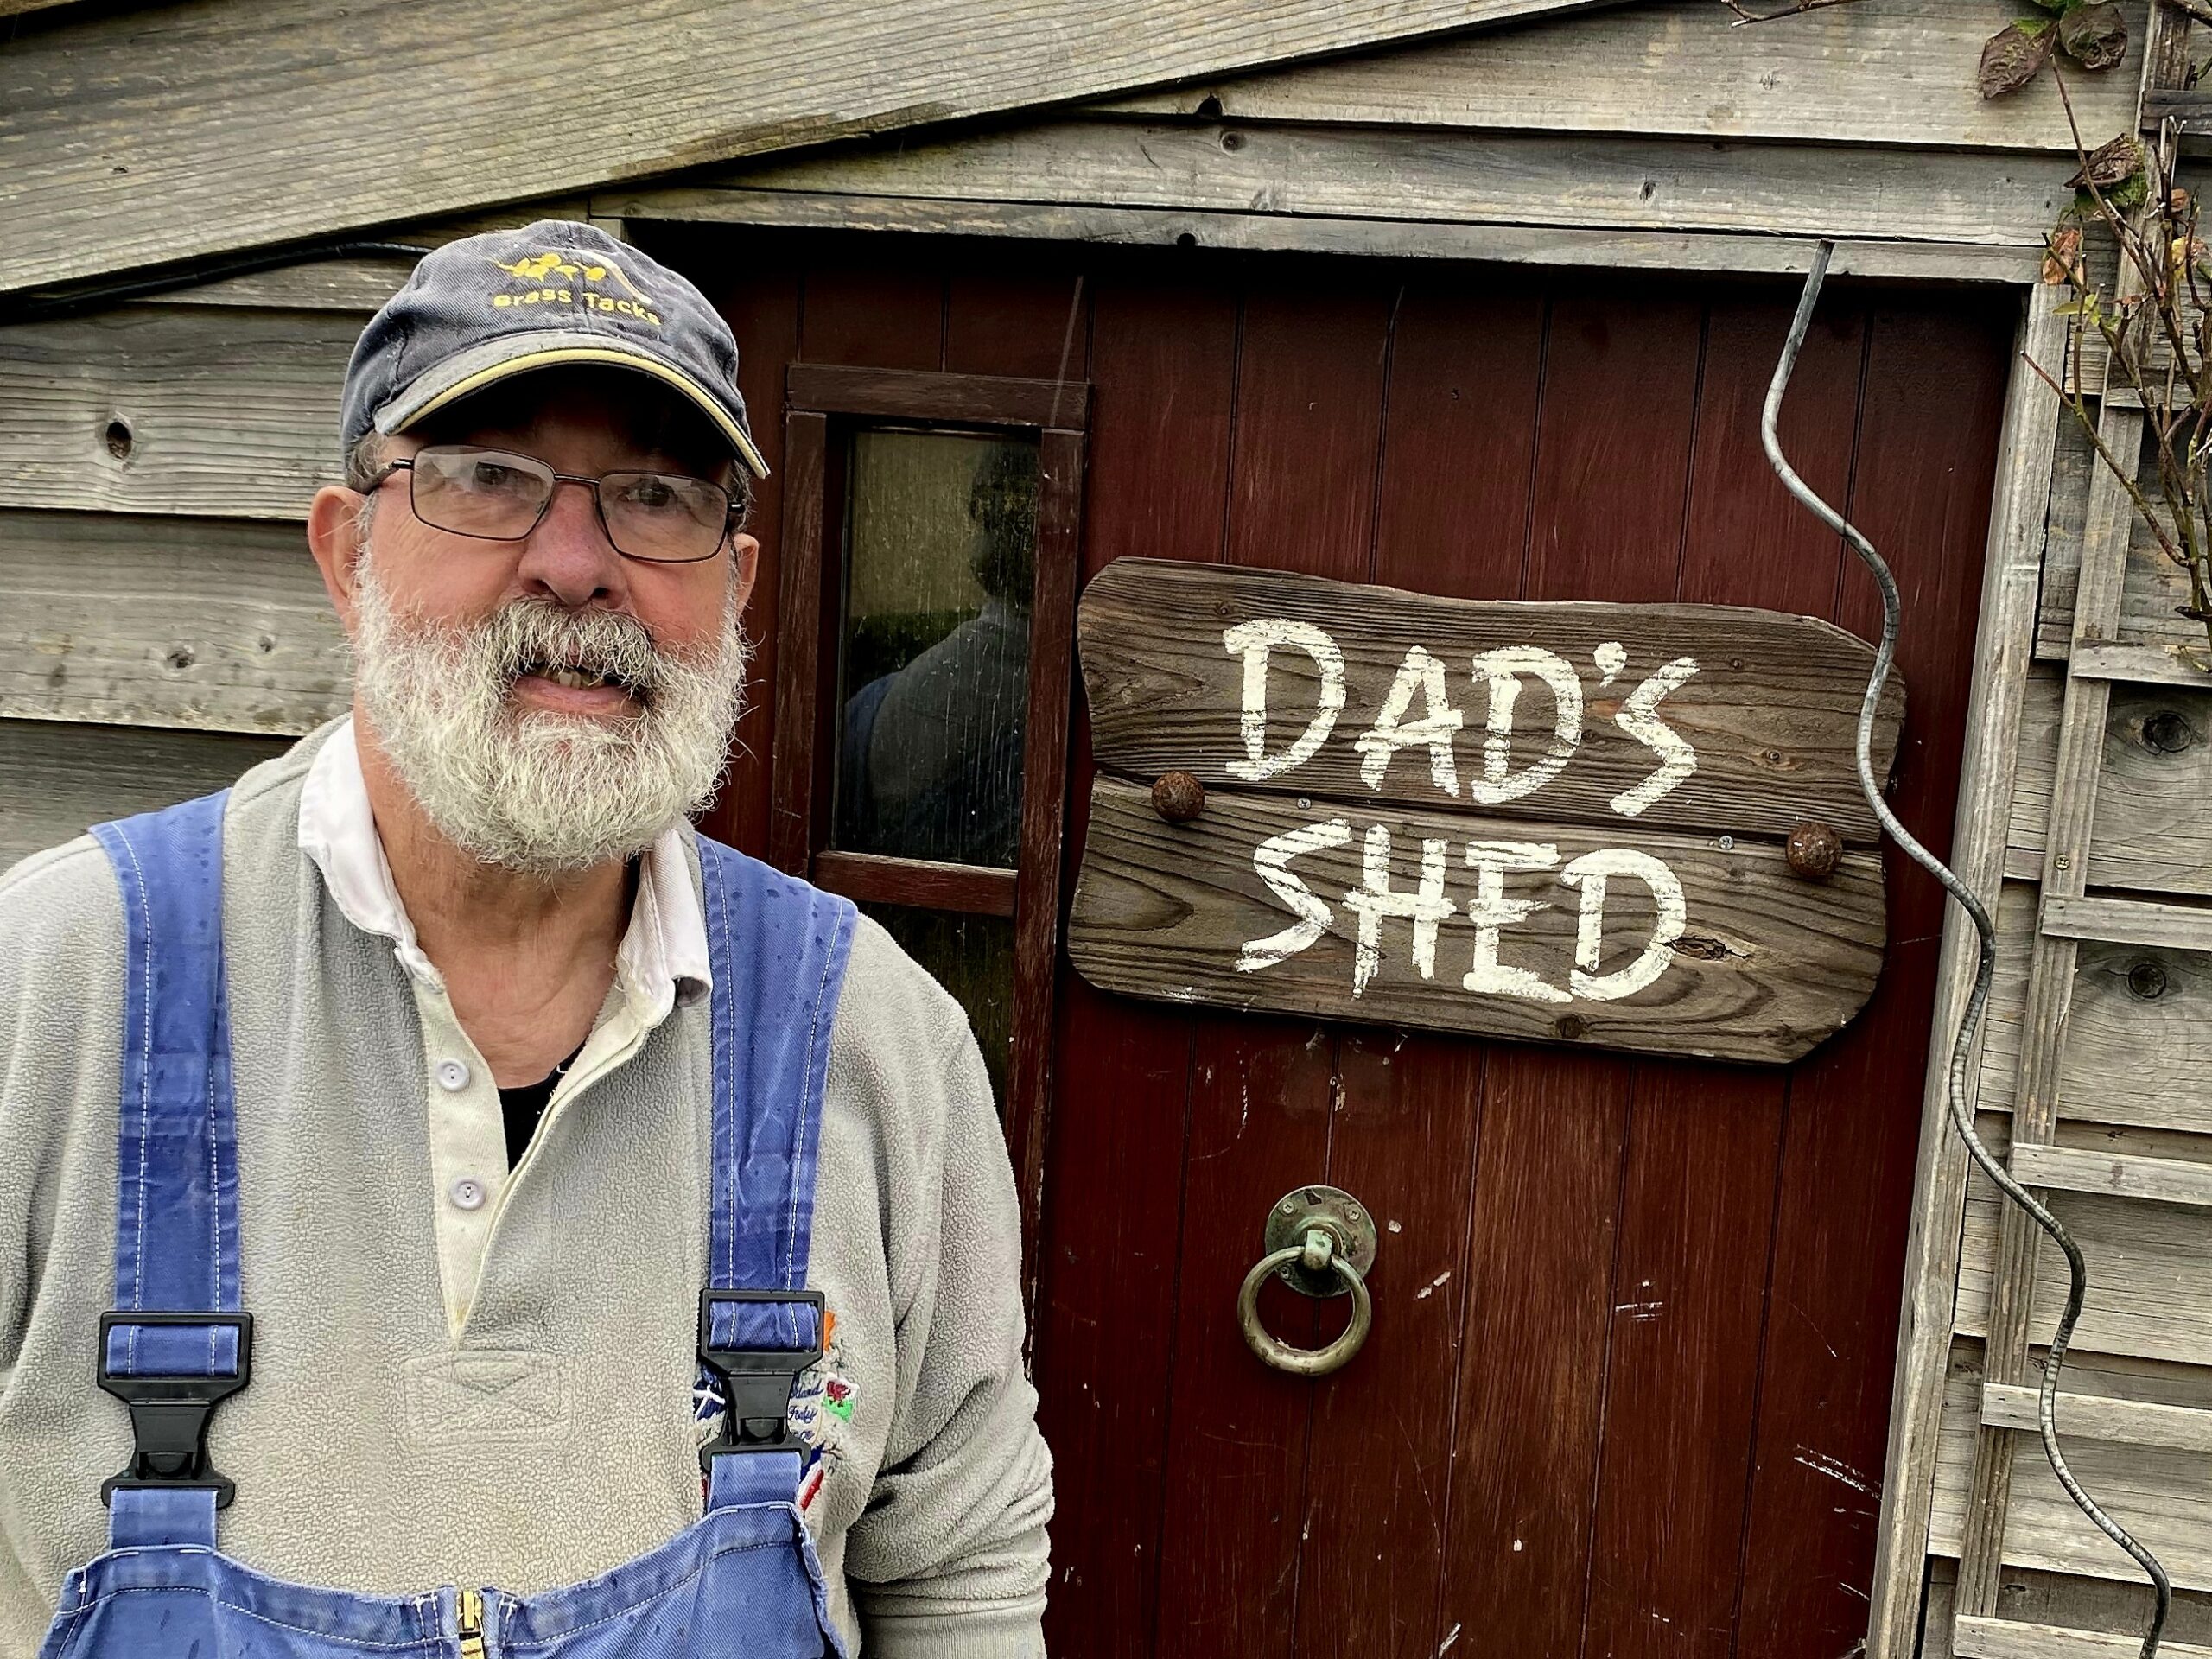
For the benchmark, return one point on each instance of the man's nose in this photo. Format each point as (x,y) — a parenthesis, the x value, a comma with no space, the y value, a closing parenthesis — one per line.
(568,556)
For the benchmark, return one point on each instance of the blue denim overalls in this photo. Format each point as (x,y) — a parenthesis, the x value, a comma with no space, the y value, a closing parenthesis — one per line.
(742,1579)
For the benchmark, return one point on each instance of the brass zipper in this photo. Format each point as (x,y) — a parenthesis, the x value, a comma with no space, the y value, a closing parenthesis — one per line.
(471,1625)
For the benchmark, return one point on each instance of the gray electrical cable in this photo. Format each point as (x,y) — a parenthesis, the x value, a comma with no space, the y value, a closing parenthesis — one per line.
(1978,1001)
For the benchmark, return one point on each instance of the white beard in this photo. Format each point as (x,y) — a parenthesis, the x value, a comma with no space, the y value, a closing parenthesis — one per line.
(530,790)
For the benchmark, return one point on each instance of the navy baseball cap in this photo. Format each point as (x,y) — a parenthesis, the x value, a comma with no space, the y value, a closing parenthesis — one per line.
(551,294)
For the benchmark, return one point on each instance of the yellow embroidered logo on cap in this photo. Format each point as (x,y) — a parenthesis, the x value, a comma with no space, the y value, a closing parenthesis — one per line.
(541,269)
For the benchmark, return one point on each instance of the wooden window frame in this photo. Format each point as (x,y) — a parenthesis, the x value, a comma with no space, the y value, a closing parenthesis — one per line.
(821,402)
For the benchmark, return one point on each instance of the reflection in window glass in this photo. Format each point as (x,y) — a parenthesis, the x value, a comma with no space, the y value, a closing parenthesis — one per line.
(972,957)
(933,666)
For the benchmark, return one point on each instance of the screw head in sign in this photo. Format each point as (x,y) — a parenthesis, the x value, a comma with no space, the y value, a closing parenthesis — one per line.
(1178,797)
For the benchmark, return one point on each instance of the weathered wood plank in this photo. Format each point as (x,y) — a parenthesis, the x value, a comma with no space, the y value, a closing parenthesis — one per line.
(2005,1639)
(1992,198)
(2075,1603)
(1768,703)
(2035,766)
(55,779)
(1305,233)
(1874,71)
(2150,830)
(2168,1180)
(2134,1051)
(1767,964)
(163,409)
(2153,588)
(362,283)
(217,624)
(2175,665)
(2162,1495)
(2126,921)
(2004,644)
(110,165)
(354,286)
(2015,917)
(2150,1277)
(2096,1417)
(2014,1284)
(2133,1062)
(2073,462)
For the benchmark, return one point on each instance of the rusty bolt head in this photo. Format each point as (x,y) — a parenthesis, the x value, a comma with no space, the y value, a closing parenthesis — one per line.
(1178,797)
(1813,850)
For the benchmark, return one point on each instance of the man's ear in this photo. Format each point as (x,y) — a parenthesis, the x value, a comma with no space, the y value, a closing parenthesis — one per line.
(335,536)
(745,564)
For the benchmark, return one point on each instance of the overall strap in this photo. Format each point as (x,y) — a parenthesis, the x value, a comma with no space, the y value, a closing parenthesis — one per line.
(175,1343)
(777,948)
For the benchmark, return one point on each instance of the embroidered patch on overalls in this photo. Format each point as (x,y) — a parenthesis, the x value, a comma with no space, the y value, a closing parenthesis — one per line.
(823,1402)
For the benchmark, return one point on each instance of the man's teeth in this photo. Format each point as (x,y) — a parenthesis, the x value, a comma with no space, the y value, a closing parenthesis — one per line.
(574,678)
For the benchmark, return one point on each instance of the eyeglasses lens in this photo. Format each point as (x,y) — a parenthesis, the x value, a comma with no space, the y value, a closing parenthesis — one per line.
(500,497)
(663,515)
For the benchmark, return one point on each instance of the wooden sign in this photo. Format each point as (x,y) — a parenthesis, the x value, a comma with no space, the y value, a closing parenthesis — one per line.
(1562,822)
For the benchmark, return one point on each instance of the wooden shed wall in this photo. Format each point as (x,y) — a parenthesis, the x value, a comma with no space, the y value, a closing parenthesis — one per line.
(163,625)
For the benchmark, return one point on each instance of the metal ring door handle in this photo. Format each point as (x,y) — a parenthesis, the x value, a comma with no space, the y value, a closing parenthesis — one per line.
(1321,1242)
(1279,1354)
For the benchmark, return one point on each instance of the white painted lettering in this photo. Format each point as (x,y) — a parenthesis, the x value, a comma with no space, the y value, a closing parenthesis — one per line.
(1677,760)
(1271,858)
(1255,640)
(1503,670)
(1491,910)
(1590,873)
(1424,907)
(1438,724)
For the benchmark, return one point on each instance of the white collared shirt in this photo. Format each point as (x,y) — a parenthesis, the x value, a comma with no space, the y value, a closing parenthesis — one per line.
(662,958)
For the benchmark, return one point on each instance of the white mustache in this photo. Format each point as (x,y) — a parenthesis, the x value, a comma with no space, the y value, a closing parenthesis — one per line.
(526,635)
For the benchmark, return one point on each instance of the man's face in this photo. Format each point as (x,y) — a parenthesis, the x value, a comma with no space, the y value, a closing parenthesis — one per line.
(550,703)
(586,424)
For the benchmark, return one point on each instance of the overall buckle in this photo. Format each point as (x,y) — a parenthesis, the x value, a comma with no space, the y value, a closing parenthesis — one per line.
(757,1383)
(170,1411)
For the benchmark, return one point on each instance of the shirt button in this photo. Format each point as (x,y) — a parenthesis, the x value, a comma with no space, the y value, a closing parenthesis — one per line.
(452,1075)
(467,1194)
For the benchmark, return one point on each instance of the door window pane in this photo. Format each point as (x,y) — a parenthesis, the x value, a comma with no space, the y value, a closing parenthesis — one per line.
(933,657)
(972,957)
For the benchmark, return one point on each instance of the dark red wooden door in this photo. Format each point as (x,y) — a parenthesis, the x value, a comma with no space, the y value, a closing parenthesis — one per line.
(1628,1385)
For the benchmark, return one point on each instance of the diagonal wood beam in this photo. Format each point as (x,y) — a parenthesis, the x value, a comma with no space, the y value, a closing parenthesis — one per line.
(153,137)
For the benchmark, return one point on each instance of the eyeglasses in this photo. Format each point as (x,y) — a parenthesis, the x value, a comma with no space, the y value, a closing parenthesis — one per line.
(497,496)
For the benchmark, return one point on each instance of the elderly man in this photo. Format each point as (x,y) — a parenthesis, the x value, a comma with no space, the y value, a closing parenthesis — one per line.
(434,1143)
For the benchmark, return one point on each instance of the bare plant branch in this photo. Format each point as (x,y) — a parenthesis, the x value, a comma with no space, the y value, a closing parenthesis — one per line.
(2075,401)
(2159,294)
(1746,14)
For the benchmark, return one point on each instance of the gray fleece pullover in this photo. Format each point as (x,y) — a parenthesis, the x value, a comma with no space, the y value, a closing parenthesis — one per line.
(553,1437)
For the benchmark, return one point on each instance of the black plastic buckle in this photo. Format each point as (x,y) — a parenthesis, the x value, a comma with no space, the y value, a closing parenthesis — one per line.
(170,1414)
(757,1383)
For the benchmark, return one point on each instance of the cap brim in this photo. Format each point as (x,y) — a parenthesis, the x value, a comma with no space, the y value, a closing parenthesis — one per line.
(546,348)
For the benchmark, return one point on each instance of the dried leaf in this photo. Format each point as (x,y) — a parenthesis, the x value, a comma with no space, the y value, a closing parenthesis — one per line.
(2111,164)
(2011,57)
(2061,260)
(2095,35)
